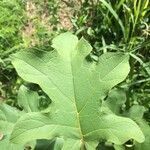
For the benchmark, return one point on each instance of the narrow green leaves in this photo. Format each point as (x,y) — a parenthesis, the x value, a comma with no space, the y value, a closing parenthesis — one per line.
(115,15)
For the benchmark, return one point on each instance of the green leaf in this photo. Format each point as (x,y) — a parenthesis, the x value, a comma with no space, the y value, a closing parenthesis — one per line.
(136,112)
(28,100)
(55,144)
(1,61)
(109,7)
(76,88)
(119,147)
(115,100)
(8,117)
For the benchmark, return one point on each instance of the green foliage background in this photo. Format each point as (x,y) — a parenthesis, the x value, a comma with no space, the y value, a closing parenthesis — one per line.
(109,26)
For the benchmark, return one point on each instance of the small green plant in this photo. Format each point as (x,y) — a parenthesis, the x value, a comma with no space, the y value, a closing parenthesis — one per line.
(78,117)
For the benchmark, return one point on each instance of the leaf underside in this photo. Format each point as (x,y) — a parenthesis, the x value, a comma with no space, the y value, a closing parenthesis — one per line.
(76,88)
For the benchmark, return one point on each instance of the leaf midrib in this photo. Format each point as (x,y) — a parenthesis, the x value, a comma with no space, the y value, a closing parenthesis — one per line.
(76,110)
(74,91)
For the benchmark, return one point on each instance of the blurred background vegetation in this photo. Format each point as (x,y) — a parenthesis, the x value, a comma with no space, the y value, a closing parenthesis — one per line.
(109,25)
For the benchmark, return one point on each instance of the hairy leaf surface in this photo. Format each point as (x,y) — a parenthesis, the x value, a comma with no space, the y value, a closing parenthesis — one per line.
(76,88)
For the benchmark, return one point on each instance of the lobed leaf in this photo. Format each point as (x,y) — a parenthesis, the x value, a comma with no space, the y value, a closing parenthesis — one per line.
(76,88)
